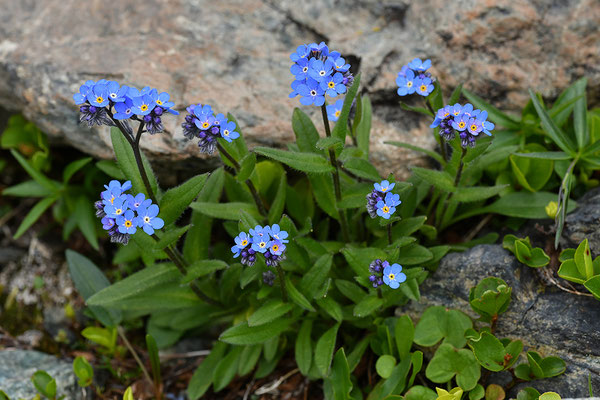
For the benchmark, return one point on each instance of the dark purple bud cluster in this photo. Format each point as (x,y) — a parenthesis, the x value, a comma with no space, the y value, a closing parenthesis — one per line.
(273,260)
(446,129)
(93,115)
(109,225)
(376,269)
(372,199)
(153,121)
(268,278)
(248,256)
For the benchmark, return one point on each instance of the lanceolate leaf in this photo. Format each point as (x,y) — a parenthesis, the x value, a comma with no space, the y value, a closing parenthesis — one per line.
(341,126)
(33,215)
(244,334)
(439,179)
(305,131)
(363,129)
(495,115)
(305,162)
(229,210)
(177,199)
(553,131)
(324,350)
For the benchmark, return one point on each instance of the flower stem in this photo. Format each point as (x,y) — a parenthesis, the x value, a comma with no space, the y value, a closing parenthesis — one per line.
(284,295)
(134,354)
(456,182)
(179,263)
(259,203)
(336,177)
(389,233)
(138,160)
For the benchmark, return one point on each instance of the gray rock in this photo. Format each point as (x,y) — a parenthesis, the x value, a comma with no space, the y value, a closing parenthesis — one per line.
(17,367)
(584,222)
(547,320)
(234,55)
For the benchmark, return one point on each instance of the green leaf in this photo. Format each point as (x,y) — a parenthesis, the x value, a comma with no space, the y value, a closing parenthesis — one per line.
(37,176)
(385,365)
(278,203)
(73,167)
(416,360)
(305,131)
(363,128)
(359,258)
(269,312)
(420,110)
(331,307)
(341,126)
(340,376)
(367,306)
(203,376)
(404,334)
(437,322)
(84,371)
(489,351)
(455,95)
(593,285)
(409,146)
(550,127)
(362,168)
(27,189)
(127,163)
(110,168)
(449,362)
(201,268)
(88,280)
(420,393)
(44,384)
(296,296)
(546,155)
(305,162)
(491,296)
(303,348)
(154,360)
(357,352)
(317,275)
(246,167)
(171,236)
(396,383)
(477,193)
(230,211)
(414,254)
(324,350)
(102,336)
(134,284)
(322,187)
(226,369)
(249,358)
(329,142)
(580,124)
(86,221)
(439,179)
(33,215)
(350,290)
(176,200)
(495,115)
(246,335)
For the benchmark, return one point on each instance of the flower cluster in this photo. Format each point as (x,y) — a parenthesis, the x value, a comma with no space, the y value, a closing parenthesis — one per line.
(268,241)
(469,123)
(381,201)
(102,102)
(382,272)
(123,213)
(202,123)
(413,77)
(318,72)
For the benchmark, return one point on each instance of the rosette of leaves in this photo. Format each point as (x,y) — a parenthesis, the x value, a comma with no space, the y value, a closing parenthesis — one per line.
(527,254)
(490,298)
(577,266)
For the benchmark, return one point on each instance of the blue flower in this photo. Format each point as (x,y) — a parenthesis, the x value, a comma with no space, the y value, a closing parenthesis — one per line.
(300,69)
(384,186)
(425,87)
(143,105)
(276,248)
(340,65)
(261,232)
(148,220)
(116,93)
(311,93)
(301,53)
(116,208)
(456,110)
(123,109)
(406,84)
(441,115)
(475,126)
(461,123)
(139,202)
(260,244)
(468,109)
(419,65)
(392,200)
(107,223)
(384,209)
(228,130)
(127,223)
(276,233)
(295,85)
(393,276)
(84,89)
(319,50)
(163,100)
(242,241)
(204,121)
(332,85)
(334,110)
(319,70)
(98,96)
(110,196)
(116,186)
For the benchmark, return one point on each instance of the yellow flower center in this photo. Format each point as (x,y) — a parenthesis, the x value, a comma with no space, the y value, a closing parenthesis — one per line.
(446,114)
(409,84)
(128,224)
(147,220)
(386,209)
(383,189)
(99,99)
(473,127)
(159,102)
(262,244)
(275,248)
(337,113)
(456,113)
(423,88)
(392,276)
(118,211)
(244,242)
(144,107)
(112,200)
(331,84)
(226,132)
(205,125)
(461,124)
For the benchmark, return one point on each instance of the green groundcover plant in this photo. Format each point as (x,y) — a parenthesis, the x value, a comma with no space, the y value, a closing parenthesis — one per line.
(308,252)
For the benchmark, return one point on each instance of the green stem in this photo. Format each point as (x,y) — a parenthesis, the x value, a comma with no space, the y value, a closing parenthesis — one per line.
(180,266)
(259,204)
(456,182)
(336,178)
(284,295)
(134,354)
(138,160)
